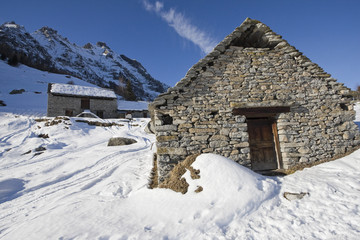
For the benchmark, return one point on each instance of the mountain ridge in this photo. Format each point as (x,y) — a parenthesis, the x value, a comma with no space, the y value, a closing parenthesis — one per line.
(45,49)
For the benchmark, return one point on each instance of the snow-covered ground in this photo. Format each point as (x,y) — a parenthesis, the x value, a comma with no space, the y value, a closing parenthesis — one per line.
(79,188)
(71,185)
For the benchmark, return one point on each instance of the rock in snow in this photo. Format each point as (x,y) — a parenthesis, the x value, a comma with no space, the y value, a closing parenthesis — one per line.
(120,141)
(293,196)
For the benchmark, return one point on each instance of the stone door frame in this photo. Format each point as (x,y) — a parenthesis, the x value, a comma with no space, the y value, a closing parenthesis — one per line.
(272,114)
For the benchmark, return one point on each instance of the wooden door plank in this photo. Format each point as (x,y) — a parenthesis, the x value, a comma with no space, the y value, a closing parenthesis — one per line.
(277,145)
(262,145)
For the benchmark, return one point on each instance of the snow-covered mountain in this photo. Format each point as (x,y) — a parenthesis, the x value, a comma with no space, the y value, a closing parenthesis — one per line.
(47,50)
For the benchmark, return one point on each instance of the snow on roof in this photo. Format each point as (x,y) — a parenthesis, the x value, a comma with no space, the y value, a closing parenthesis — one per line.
(131,105)
(76,90)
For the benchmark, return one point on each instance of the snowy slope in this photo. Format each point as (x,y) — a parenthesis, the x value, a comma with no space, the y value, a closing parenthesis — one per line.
(46,49)
(79,188)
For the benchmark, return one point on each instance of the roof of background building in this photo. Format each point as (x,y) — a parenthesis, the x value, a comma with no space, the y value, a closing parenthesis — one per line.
(83,91)
(131,105)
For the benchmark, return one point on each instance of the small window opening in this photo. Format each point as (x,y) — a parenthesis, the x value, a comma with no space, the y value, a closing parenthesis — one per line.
(344,107)
(166,119)
(214,113)
(85,103)
(100,113)
(349,96)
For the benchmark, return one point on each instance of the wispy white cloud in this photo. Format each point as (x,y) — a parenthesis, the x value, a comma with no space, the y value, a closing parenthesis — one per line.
(182,26)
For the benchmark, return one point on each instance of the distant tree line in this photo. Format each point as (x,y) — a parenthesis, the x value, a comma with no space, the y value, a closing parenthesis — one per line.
(13,60)
(14,57)
(123,88)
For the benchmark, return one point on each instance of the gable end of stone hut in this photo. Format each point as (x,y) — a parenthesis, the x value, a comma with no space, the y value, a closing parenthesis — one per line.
(258,101)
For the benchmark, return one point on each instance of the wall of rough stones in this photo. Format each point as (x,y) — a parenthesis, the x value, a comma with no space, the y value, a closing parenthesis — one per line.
(253,67)
(58,104)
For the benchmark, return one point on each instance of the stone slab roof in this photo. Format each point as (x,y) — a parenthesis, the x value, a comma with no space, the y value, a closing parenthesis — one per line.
(80,91)
(132,105)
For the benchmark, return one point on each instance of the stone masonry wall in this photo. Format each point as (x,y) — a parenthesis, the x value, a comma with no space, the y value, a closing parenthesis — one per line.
(196,115)
(58,104)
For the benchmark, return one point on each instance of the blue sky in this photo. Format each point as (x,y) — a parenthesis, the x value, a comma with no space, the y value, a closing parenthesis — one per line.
(169,36)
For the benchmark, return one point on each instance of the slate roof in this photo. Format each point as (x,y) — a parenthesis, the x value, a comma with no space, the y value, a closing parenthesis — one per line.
(80,91)
(131,105)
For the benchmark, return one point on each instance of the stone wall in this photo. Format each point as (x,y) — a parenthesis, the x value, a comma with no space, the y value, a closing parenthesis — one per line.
(253,67)
(57,105)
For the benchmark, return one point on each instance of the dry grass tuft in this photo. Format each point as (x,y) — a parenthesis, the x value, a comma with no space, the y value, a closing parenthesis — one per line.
(154,177)
(175,181)
(41,119)
(199,189)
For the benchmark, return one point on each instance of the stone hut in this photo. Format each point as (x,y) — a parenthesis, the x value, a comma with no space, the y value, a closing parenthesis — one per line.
(71,100)
(258,101)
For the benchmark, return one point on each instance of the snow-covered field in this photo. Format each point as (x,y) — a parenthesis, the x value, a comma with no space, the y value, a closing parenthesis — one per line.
(79,188)
(71,185)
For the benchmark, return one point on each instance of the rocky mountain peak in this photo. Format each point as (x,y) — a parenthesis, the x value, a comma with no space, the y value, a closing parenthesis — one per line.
(11,24)
(50,33)
(12,28)
(102,45)
(132,62)
(48,30)
(88,46)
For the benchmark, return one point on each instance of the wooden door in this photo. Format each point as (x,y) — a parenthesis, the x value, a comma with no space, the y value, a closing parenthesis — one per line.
(262,145)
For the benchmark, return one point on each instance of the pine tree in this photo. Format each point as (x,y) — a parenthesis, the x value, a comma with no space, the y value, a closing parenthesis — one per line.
(3,57)
(13,61)
(129,93)
(121,87)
